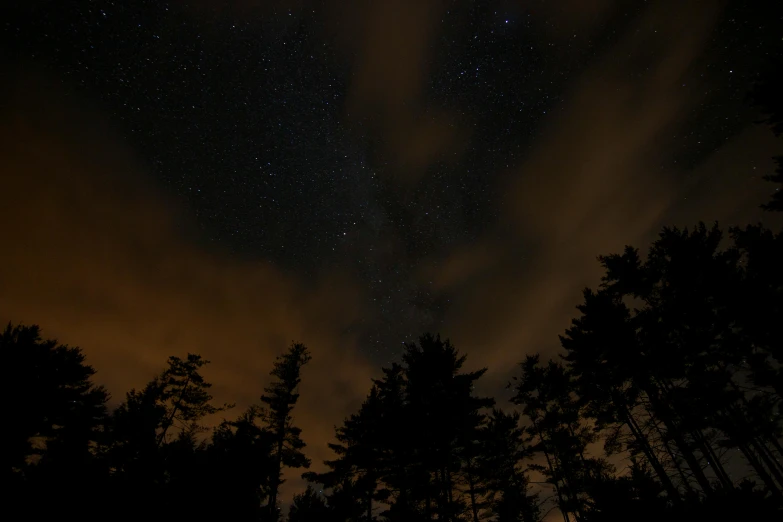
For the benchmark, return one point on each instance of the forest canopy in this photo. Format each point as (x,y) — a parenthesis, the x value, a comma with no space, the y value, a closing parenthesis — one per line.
(665,402)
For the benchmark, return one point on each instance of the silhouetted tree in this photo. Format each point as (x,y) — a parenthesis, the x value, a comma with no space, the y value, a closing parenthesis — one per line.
(237,468)
(309,506)
(56,411)
(359,449)
(402,478)
(698,343)
(559,432)
(415,442)
(279,399)
(178,398)
(604,356)
(375,455)
(637,492)
(153,445)
(447,415)
(133,453)
(185,397)
(502,464)
(757,305)
(55,417)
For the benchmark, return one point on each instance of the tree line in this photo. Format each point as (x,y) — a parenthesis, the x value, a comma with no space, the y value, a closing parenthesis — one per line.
(665,402)
(151,457)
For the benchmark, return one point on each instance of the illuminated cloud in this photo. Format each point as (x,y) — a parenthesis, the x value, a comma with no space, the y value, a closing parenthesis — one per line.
(95,254)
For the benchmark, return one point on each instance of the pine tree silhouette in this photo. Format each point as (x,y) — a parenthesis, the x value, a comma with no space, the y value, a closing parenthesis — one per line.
(279,399)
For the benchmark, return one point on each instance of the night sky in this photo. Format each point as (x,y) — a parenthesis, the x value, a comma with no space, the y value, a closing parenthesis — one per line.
(223,177)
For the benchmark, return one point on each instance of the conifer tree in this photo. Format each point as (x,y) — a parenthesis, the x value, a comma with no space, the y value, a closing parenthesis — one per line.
(279,399)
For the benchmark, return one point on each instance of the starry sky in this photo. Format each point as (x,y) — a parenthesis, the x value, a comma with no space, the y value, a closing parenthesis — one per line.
(224,177)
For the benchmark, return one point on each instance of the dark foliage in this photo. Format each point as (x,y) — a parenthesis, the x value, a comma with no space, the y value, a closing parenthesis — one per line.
(668,388)
(55,420)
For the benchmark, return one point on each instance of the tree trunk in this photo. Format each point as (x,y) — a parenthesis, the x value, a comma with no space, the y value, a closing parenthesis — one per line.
(445,495)
(760,471)
(450,497)
(715,464)
(648,452)
(174,410)
(701,442)
(275,485)
(568,484)
(559,494)
(685,482)
(664,413)
(736,428)
(776,444)
(472,486)
(690,458)
(428,499)
(769,460)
